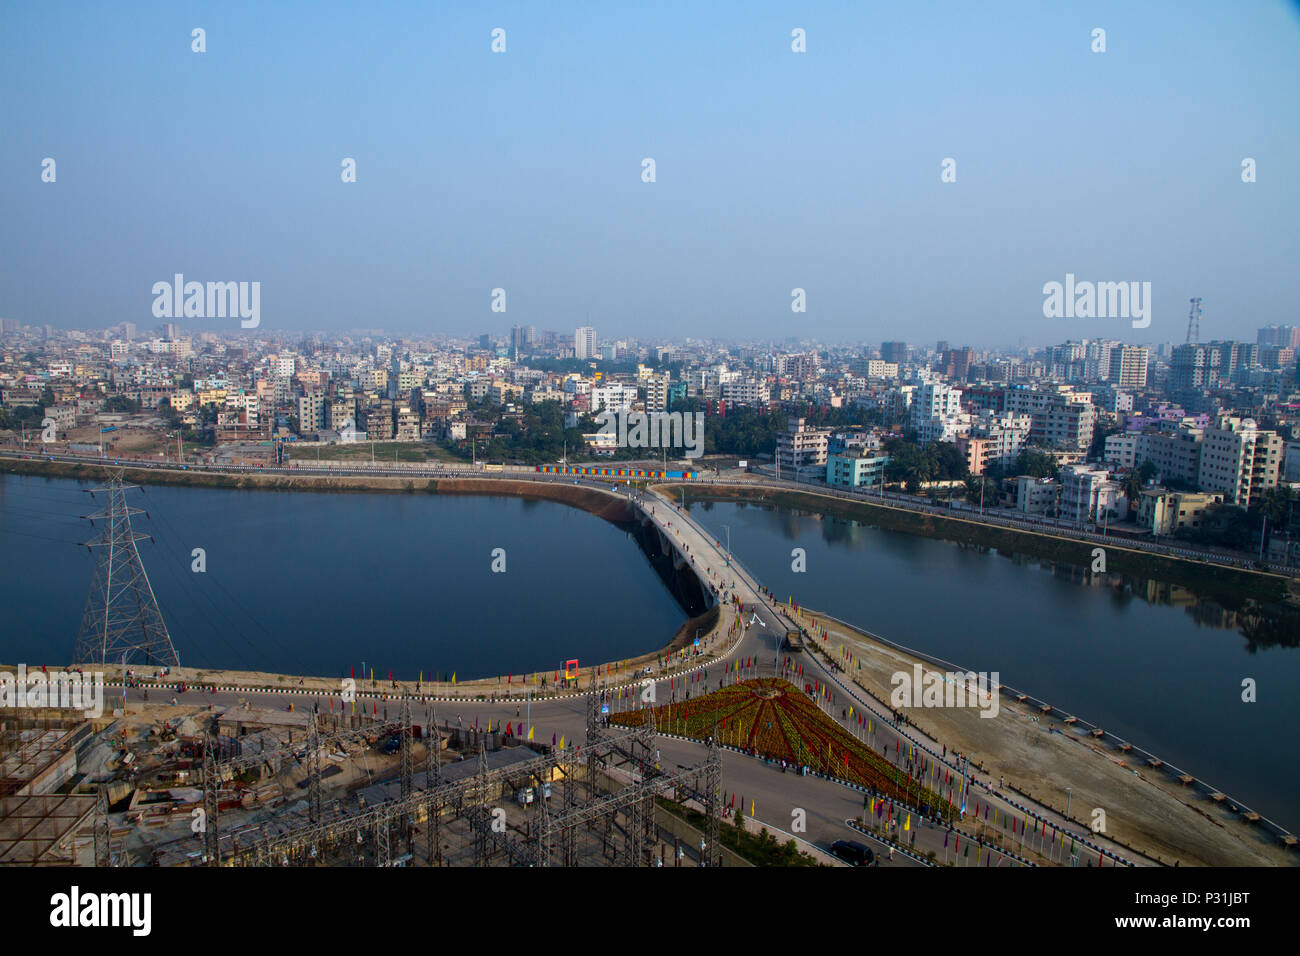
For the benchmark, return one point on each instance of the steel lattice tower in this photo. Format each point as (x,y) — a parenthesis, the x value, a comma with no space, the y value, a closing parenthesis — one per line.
(1194,322)
(121,622)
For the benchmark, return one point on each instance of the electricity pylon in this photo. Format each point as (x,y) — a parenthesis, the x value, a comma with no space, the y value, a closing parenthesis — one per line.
(121,623)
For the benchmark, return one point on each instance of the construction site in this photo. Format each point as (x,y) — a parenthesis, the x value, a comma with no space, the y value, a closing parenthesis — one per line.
(255,787)
(156,784)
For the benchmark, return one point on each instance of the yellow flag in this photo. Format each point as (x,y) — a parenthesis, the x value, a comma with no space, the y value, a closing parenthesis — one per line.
(530,733)
(907,824)
(751,808)
(453,677)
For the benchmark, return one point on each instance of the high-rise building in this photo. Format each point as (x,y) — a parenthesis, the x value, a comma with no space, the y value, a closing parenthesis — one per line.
(584,343)
(1285,336)
(896,352)
(1128,366)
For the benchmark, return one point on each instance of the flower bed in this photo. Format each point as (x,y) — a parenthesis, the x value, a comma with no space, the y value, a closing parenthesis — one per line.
(773,719)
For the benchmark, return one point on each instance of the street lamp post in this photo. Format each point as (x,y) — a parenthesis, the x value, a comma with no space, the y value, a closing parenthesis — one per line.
(1068,793)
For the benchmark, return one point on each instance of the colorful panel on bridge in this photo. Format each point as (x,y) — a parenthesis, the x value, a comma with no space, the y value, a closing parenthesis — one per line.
(597,471)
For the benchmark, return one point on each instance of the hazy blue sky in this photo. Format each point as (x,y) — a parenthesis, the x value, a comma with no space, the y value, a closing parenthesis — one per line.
(522,170)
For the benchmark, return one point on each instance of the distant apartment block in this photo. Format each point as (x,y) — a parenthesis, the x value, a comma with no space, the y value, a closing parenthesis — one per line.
(1284,336)
(1239,459)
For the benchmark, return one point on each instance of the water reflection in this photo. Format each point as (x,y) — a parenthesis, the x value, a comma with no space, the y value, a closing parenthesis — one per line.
(1262,625)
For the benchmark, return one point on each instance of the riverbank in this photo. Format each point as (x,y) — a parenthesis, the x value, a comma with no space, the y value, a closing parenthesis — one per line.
(1040,758)
(1228,585)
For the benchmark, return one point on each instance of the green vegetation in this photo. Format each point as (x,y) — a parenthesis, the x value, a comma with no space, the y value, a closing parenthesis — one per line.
(21,416)
(535,436)
(760,849)
(361,451)
(753,431)
(120,403)
(914,464)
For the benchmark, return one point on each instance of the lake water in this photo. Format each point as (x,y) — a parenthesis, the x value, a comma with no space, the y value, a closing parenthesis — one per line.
(320,583)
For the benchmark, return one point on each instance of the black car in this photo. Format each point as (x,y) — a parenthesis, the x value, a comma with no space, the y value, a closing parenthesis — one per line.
(853,853)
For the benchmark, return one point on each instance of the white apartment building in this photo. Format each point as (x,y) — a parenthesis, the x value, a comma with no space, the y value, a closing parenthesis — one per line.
(1087,493)
(311,411)
(614,397)
(936,411)
(584,343)
(1239,459)
(1036,496)
(1060,418)
(656,392)
(802,446)
(1005,434)
(745,391)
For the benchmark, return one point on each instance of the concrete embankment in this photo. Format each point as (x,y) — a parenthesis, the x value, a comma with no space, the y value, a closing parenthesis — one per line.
(588,499)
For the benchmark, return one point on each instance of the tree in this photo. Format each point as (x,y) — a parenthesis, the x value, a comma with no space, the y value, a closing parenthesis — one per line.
(1276,505)
(1036,463)
(1138,478)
